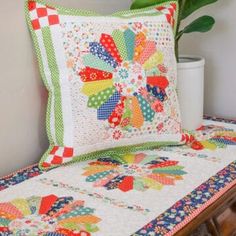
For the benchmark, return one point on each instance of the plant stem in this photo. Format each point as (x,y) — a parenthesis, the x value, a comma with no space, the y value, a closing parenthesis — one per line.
(181,8)
(177,50)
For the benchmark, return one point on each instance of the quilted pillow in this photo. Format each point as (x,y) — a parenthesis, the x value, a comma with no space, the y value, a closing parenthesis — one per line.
(111,79)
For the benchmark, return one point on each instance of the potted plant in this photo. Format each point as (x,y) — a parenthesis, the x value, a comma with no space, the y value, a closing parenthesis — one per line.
(190,68)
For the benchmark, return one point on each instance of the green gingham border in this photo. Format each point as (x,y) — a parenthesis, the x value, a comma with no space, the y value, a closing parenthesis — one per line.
(55,77)
(55,81)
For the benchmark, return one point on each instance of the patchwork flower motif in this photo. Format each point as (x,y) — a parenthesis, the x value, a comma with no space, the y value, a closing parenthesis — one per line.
(134,171)
(48,215)
(124,78)
(212,137)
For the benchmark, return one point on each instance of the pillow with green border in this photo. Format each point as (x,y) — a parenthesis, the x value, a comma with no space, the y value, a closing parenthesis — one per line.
(111,79)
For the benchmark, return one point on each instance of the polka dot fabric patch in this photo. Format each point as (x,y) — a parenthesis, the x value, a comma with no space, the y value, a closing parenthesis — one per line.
(112,87)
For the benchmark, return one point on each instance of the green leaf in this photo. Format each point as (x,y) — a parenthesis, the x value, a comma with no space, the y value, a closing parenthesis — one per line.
(201,24)
(191,6)
(137,4)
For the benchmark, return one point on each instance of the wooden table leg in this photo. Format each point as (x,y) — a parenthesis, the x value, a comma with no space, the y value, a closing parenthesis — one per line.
(212,227)
(233,207)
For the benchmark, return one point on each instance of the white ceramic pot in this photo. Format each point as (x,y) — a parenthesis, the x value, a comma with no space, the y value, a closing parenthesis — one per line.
(190,90)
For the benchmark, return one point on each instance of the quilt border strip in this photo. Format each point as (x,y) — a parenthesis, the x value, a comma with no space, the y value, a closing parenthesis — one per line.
(177,216)
(20,176)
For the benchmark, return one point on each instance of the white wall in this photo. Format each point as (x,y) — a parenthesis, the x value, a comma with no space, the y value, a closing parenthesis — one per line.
(219,48)
(23,98)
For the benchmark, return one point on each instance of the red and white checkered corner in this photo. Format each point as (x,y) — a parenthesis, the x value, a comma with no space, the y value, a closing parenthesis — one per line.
(42,16)
(169,12)
(58,156)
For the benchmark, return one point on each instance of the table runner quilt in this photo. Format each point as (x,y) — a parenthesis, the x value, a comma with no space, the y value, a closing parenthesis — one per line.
(153,192)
